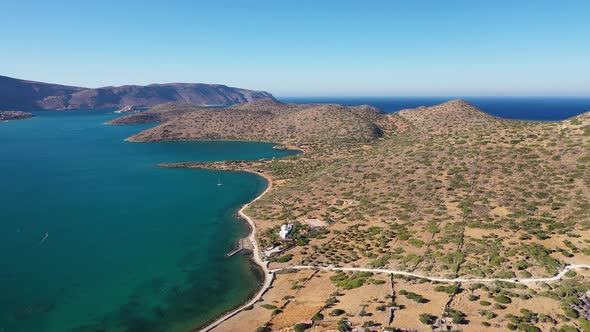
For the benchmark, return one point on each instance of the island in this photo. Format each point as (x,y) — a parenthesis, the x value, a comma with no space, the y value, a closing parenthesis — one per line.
(14,115)
(441,217)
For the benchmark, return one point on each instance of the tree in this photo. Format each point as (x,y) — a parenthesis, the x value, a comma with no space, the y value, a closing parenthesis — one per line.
(300,327)
(336,312)
(317,317)
(503,299)
(344,325)
(427,318)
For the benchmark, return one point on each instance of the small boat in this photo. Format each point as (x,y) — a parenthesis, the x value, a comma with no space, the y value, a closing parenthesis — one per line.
(219,182)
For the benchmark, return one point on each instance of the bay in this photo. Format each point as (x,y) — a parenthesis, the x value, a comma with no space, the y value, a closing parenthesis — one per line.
(94,237)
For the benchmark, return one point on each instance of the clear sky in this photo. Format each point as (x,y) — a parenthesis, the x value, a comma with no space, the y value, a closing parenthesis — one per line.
(303,47)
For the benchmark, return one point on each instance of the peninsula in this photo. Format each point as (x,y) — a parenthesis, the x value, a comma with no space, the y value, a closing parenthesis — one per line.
(439,217)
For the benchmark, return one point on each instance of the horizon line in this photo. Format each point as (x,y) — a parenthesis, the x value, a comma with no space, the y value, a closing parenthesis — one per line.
(430,96)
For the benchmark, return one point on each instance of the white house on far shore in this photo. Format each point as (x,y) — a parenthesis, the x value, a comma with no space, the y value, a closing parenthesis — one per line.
(285,230)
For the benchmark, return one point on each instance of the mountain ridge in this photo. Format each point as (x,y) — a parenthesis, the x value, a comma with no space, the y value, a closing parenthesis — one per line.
(31,95)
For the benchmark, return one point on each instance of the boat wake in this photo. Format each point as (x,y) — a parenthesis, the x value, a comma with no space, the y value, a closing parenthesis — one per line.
(43,239)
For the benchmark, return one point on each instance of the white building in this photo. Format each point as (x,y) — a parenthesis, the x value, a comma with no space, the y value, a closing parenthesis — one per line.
(285,230)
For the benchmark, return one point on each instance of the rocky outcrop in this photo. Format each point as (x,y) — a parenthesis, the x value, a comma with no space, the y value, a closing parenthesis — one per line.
(28,95)
(158,113)
(129,109)
(14,115)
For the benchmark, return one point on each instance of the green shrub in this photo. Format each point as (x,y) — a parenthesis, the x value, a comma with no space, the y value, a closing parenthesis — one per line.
(284,258)
(264,328)
(584,325)
(343,325)
(427,318)
(503,299)
(415,297)
(376,281)
(567,328)
(571,313)
(528,328)
(317,317)
(457,316)
(300,327)
(451,289)
(336,312)
(354,281)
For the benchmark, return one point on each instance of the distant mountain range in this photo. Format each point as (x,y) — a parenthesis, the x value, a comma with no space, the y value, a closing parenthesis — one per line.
(22,95)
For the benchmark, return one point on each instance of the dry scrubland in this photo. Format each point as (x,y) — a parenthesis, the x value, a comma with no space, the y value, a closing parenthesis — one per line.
(446,191)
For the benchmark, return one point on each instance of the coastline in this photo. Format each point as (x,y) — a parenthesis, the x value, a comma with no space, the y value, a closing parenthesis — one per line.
(283,147)
(256,258)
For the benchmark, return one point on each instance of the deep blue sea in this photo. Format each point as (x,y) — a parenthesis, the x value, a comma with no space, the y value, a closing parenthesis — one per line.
(522,108)
(93,237)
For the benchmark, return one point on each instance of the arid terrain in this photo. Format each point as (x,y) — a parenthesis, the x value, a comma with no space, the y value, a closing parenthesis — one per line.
(158,113)
(445,192)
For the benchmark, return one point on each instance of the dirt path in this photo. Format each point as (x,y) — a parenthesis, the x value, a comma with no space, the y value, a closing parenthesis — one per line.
(557,277)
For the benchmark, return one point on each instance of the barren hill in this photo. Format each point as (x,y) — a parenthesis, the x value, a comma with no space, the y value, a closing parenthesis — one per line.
(269,105)
(450,116)
(27,95)
(158,113)
(271,121)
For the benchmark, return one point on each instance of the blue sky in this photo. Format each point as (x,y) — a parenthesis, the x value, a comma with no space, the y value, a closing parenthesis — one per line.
(290,48)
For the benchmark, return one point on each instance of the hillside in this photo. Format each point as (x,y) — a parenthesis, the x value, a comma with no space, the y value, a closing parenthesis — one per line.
(451,193)
(271,121)
(452,116)
(443,184)
(158,113)
(269,105)
(27,95)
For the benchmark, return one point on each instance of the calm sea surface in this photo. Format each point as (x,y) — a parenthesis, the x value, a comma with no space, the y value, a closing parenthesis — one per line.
(94,238)
(522,108)
(129,247)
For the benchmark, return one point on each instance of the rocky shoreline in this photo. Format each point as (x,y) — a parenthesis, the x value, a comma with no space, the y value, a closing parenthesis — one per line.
(14,115)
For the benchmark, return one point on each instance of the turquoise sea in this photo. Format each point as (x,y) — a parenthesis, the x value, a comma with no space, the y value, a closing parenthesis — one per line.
(93,237)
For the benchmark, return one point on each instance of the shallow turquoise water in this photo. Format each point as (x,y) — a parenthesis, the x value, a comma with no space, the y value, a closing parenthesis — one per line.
(130,247)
